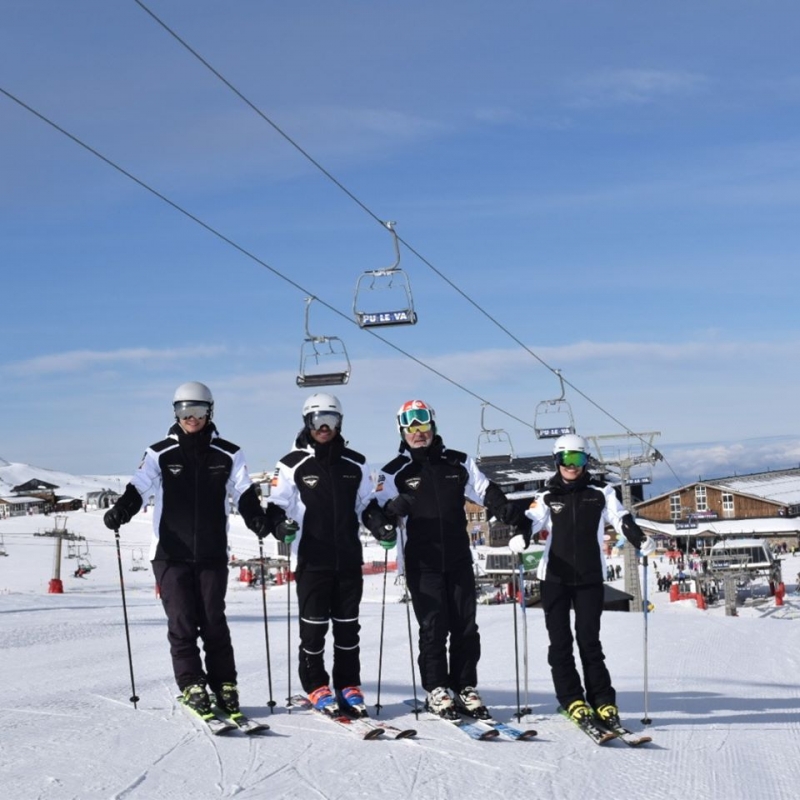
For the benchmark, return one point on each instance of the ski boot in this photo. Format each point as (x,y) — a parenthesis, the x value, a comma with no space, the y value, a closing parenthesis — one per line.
(323,700)
(351,701)
(469,702)
(440,702)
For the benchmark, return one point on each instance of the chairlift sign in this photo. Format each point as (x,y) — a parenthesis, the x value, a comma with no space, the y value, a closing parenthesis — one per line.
(638,481)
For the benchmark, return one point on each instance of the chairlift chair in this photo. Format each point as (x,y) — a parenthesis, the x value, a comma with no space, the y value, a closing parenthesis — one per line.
(493,436)
(316,348)
(391,283)
(553,418)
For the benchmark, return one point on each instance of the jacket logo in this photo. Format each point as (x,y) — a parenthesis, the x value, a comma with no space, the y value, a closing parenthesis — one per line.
(175,469)
(311,481)
(556,508)
(413,483)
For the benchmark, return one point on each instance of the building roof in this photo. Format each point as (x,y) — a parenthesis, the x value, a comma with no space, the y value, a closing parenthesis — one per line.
(18,499)
(761,526)
(781,486)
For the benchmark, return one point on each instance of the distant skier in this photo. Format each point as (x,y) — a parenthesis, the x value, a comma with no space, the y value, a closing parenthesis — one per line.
(575,508)
(192,473)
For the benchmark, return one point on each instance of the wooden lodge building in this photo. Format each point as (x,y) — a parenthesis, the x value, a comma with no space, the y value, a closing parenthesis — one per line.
(762,505)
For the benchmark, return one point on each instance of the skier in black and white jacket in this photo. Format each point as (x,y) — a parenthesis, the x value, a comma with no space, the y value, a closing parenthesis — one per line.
(427,486)
(319,492)
(193,475)
(575,508)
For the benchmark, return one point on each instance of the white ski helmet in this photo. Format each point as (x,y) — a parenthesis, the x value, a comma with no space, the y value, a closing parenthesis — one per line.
(570,441)
(194,392)
(323,409)
(570,451)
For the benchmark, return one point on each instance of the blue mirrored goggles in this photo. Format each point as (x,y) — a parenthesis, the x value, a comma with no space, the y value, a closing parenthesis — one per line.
(572,458)
(319,419)
(415,416)
(191,408)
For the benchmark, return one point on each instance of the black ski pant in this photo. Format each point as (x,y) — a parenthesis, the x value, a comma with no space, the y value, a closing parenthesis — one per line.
(325,596)
(444,604)
(193,596)
(587,601)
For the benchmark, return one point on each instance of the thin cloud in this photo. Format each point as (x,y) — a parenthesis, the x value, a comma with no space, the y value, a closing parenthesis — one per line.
(634,87)
(83,360)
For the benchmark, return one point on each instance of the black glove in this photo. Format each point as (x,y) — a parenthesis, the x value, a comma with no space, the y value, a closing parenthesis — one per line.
(401,505)
(260,526)
(115,517)
(511,514)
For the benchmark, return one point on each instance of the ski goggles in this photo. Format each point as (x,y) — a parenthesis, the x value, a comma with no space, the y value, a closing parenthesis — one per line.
(572,458)
(415,416)
(187,409)
(418,427)
(321,419)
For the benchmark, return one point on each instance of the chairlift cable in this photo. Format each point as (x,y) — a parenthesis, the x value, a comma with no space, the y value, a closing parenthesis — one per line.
(372,214)
(249,254)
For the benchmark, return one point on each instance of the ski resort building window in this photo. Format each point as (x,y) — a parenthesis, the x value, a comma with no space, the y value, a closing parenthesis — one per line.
(675,506)
(727,504)
(700,499)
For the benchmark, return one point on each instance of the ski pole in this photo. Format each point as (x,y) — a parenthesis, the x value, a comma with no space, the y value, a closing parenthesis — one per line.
(518,715)
(289,634)
(378,705)
(134,699)
(524,612)
(407,597)
(646,719)
(271,702)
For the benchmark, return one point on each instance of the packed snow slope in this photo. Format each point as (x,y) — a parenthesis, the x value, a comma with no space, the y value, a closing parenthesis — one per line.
(723,695)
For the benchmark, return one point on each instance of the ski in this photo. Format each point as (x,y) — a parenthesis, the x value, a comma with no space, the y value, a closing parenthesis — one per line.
(482,715)
(474,729)
(217,725)
(597,734)
(624,735)
(243,722)
(360,713)
(508,731)
(356,725)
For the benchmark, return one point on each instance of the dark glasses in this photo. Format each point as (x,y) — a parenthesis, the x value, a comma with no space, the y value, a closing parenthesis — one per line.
(185,410)
(319,419)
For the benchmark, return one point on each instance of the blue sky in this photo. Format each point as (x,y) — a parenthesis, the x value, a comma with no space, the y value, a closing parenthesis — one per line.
(616,183)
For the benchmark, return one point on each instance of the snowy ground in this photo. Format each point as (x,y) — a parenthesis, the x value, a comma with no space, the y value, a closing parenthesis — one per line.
(724,697)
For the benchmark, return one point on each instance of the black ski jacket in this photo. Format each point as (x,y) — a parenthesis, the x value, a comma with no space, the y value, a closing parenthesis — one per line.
(575,514)
(324,488)
(192,477)
(439,481)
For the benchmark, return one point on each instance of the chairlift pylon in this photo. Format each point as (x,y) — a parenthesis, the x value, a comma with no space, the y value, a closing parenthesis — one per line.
(493,436)
(553,418)
(395,286)
(316,348)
